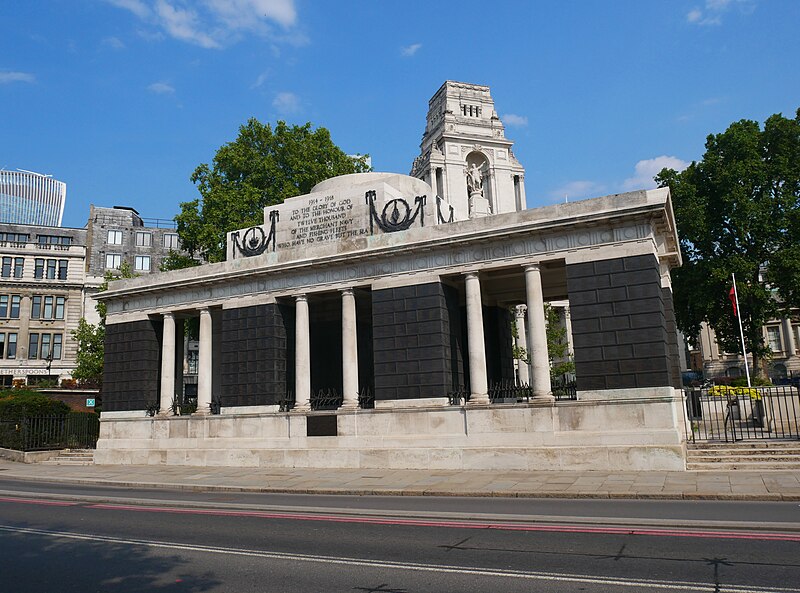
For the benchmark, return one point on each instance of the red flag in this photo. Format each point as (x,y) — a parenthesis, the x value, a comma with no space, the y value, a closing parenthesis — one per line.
(732,297)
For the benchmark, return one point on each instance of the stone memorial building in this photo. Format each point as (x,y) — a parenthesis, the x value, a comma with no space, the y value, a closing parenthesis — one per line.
(369,323)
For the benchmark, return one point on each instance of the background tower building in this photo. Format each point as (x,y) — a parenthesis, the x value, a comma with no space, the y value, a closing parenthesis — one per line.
(465,156)
(31,198)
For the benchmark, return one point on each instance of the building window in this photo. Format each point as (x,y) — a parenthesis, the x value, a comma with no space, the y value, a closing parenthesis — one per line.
(12,311)
(19,266)
(51,269)
(54,240)
(171,240)
(60,302)
(141,263)
(6,271)
(33,346)
(38,271)
(63,265)
(45,346)
(113,260)
(115,237)
(47,311)
(11,349)
(144,239)
(2,345)
(56,346)
(774,338)
(14,237)
(36,306)
(193,358)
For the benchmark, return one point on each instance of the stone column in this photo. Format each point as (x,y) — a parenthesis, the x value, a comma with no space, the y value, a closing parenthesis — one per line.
(479,388)
(167,392)
(522,343)
(522,197)
(788,337)
(434,186)
(349,351)
(537,334)
(302,359)
(204,375)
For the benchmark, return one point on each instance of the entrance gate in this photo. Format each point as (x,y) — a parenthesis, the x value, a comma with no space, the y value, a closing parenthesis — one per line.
(729,414)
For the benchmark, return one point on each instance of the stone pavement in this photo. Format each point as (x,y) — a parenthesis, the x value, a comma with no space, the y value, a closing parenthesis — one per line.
(721,485)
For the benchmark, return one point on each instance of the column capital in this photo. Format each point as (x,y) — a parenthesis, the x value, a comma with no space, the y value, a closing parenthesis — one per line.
(347,291)
(520,310)
(301,298)
(536,267)
(168,315)
(471,274)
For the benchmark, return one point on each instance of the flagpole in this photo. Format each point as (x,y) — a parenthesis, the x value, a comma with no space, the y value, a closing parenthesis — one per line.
(741,330)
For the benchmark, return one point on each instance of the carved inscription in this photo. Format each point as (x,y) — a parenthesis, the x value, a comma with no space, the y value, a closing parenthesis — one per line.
(324,219)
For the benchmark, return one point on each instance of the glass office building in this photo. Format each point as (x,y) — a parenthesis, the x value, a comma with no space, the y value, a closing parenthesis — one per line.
(31,198)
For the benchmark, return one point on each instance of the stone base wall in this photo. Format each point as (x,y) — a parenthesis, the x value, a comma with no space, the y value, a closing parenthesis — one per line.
(637,430)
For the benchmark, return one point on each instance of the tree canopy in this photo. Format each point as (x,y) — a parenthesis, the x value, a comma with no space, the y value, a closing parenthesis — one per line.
(738,211)
(264,166)
(91,338)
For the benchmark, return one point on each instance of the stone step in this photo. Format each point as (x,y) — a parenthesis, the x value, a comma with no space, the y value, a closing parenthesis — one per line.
(742,466)
(68,461)
(744,459)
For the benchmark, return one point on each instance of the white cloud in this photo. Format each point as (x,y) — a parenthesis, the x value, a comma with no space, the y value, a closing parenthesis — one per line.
(286,103)
(262,78)
(645,170)
(215,23)
(576,190)
(137,7)
(183,24)
(113,43)
(161,88)
(410,50)
(712,11)
(512,119)
(9,77)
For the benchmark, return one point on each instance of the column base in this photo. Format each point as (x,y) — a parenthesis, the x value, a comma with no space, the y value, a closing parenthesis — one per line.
(476,400)
(349,406)
(201,412)
(544,398)
(300,409)
(164,414)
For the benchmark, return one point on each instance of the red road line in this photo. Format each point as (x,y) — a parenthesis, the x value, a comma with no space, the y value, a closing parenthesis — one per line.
(465,525)
(606,530)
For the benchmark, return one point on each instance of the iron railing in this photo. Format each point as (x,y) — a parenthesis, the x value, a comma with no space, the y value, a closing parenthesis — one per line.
(735,413)
(42,433)
(508,392)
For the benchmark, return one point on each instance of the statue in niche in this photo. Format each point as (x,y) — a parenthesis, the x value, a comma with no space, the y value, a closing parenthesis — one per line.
(474,180)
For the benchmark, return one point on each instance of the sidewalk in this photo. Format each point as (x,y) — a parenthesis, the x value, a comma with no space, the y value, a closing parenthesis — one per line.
(722,485)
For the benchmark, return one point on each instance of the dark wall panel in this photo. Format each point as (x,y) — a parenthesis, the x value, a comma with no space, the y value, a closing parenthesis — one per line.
(672,338)
(412,342)
(253,345)
(132,365)
(619,325)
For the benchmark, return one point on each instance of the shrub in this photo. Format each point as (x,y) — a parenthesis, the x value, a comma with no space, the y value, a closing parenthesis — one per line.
(22,403)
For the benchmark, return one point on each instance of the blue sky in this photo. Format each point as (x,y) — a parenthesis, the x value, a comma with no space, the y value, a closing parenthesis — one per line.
(122,99)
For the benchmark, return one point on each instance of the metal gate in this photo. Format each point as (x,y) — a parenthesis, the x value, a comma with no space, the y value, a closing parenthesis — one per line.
(723,413)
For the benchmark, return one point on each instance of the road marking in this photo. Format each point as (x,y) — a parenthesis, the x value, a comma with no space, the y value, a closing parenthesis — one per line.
(706,534)
(51,503)
(408,566)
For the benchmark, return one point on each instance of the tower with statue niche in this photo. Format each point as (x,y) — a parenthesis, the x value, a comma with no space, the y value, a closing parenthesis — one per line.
(465,156)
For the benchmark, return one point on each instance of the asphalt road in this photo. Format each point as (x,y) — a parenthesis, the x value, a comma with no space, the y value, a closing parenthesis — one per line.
(71,538)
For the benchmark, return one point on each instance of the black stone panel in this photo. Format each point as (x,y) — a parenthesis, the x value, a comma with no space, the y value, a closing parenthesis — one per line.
(499,341)
(672,338)
(412,342)
(254,352)
(619,324)
(132,365)
(325,328)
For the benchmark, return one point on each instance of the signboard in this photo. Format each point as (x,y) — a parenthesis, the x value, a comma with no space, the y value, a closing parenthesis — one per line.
(89,402)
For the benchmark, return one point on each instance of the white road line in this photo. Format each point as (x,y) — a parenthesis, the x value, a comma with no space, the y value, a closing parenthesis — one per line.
(411,566)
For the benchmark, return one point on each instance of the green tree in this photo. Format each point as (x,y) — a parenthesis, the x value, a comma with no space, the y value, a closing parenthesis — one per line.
(737,211)
(177,261)
(264,166)
(91,338)
(557,347)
